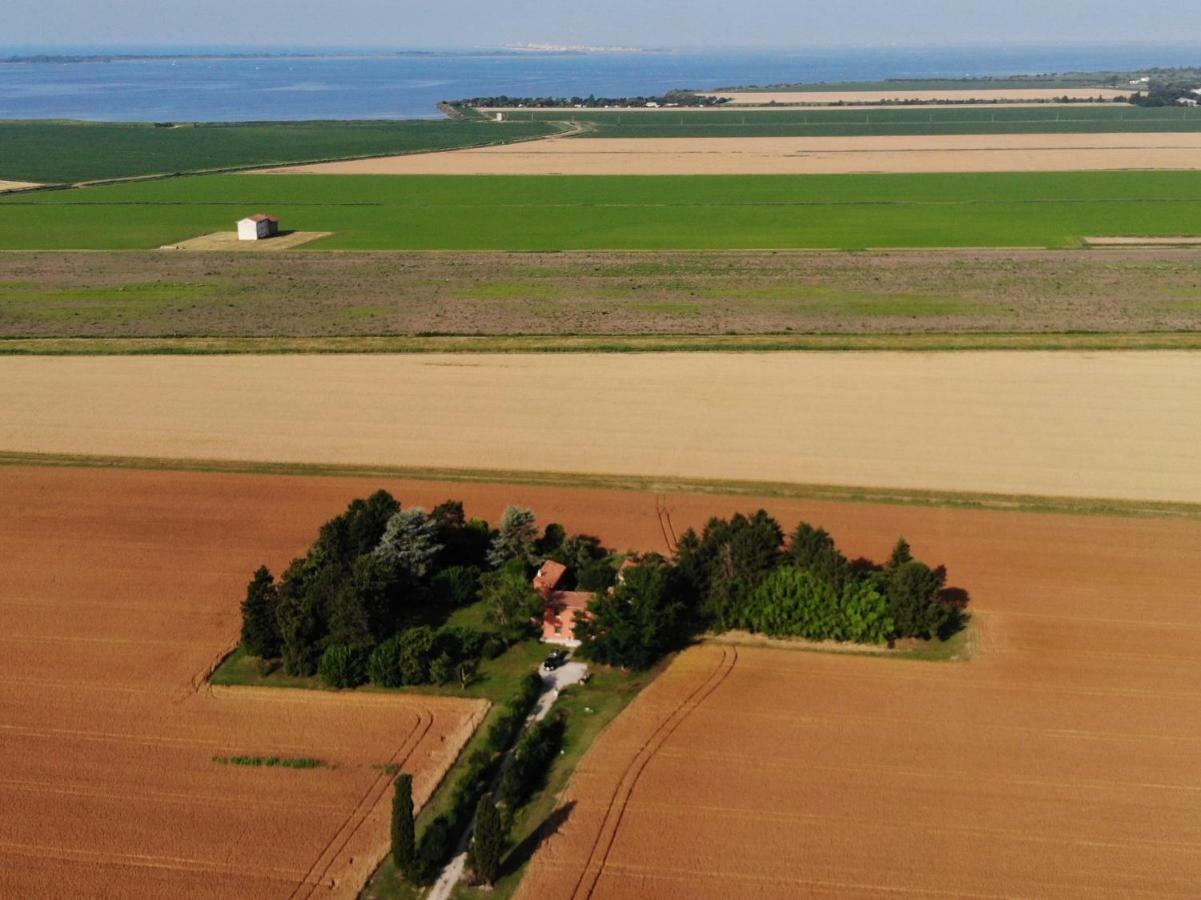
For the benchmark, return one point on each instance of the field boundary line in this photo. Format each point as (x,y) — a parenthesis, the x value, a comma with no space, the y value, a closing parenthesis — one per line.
(821,493)
(606,835)
(362,810)
(827,342)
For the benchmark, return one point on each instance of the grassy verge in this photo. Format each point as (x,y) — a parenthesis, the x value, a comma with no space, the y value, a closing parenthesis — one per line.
(271,762)
(589,708)
(629,343)
(957,648)
(757,490)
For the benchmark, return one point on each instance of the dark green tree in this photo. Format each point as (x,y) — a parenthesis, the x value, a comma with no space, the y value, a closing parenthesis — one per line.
(814,550)
(900,555)
(913,590)
(727,561)
(638,622)
(487,841)
(260,627)
(511,603)
(404,848)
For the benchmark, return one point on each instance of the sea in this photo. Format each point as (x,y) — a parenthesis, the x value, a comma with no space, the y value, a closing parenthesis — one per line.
(286,86)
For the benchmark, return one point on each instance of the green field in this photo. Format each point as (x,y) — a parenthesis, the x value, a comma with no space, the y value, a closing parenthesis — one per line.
(620,212)
(54,152)
(895,120)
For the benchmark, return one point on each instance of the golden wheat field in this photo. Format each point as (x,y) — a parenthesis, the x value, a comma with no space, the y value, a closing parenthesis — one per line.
(791,156)
(1101,425)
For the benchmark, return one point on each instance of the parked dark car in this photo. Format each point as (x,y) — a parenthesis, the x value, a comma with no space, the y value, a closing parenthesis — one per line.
(555,660)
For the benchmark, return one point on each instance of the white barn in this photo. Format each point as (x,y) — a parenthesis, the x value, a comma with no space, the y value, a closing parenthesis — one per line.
(257,227)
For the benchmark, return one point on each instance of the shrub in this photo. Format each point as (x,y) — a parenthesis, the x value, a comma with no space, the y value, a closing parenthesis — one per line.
(530,763)
(342,666)
(383,668)
(456,586)
(433,850)
(795,602)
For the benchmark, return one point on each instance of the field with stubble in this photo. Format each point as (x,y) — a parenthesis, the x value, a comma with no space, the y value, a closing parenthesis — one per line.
(1119,425)
(1060,761)
(118,596)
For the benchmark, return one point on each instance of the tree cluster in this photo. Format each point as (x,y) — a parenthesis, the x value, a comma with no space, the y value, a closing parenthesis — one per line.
(369,599)
(673,98)
(741,573)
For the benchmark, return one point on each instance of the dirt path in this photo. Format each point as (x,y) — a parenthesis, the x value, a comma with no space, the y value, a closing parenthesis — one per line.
(793,155)
(1121,425)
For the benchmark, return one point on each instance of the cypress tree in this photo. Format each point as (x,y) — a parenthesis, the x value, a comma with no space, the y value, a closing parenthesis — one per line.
(260,627)
(404,849)
(487,841)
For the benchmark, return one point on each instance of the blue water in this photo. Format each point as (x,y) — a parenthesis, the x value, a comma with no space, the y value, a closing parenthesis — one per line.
(387,87)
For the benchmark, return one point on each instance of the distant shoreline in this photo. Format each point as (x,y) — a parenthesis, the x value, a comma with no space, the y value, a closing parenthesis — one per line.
(72,58)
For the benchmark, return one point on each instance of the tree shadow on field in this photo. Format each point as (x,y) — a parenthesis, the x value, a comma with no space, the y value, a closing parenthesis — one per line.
(522,852)
(957,600)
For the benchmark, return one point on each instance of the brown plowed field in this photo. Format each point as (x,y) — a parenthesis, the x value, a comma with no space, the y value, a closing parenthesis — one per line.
(1099,425)
(117,594)
(1063,760)
(791,156)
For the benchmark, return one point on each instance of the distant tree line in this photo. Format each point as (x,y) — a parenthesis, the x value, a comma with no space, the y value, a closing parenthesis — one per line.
(681,99)
(370,598)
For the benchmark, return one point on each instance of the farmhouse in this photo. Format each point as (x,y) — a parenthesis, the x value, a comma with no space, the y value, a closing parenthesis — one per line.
(257,227)
(562,608)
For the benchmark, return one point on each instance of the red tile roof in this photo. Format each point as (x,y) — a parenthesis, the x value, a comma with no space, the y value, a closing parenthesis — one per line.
(549,576)
(575,600)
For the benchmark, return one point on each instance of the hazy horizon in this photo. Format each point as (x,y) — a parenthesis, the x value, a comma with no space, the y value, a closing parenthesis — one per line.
(674,24)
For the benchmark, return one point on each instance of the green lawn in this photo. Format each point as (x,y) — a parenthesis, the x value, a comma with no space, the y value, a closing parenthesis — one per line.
(807,122)
(620,212)
(53,152)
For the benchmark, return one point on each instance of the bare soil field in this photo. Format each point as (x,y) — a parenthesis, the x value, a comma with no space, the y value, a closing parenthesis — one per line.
(792,156)
(825,98)
(119,592)
(227,241)
(149,294)
(1069,424)
(1060,761)
(15,186)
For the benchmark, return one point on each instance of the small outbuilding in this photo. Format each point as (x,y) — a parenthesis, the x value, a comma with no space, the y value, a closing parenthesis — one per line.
(257,227)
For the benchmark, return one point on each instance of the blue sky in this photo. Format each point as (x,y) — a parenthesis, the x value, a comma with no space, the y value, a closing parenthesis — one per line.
(660,23)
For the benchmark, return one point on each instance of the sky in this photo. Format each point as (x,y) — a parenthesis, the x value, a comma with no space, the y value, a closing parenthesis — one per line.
(634,23)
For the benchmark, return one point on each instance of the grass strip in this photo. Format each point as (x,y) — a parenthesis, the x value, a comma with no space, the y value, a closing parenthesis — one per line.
(632,343)
(272,762)
(1032,503)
